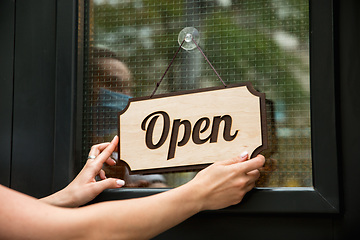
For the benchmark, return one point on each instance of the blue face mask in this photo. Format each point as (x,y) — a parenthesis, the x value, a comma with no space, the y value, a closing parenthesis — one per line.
(110,103)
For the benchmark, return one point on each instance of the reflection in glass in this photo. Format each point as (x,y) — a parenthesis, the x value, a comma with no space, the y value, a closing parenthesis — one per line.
(129,44)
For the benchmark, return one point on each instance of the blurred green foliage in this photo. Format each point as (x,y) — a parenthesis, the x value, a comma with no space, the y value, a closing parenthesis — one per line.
(239,38)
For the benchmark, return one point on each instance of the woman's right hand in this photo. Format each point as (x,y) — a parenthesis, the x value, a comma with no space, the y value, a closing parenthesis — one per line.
(225,183)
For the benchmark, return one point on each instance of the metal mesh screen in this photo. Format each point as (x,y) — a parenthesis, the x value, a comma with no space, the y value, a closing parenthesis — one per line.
(128,45)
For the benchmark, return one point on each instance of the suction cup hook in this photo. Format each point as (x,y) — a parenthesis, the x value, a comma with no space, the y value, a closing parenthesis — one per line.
(187,36)
(188,39)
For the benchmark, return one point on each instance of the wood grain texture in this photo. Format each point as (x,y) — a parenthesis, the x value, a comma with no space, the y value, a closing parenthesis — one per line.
(190,130)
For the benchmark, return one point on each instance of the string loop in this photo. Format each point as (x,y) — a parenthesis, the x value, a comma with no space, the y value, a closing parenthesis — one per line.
(167,69)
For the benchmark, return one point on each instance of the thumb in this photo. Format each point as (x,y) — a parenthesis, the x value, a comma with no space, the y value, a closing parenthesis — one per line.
(243,157)
(109,183)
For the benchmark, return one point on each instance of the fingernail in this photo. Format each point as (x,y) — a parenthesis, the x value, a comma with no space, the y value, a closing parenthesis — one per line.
(244,154)
(120,182)
(114,161)
(114,137)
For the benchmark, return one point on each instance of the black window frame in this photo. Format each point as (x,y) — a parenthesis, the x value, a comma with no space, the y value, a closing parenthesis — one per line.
(323,197)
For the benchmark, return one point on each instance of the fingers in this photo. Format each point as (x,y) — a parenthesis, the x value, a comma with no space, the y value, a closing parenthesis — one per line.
(254,174)
(106,153)
(243,157)
(110,161)
(249,169)
(103,151)
(252,164)
(102,174)
(97,149)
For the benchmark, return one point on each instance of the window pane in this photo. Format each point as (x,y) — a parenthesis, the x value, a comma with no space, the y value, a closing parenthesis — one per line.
(128,45)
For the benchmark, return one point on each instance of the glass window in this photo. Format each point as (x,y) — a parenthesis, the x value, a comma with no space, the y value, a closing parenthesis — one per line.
(128,44)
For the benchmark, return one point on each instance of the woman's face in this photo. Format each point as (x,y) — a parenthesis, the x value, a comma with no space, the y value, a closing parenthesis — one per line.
(113,75)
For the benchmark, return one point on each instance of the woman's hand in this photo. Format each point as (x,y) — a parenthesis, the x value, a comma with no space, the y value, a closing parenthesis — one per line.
(84,187)
(225,183)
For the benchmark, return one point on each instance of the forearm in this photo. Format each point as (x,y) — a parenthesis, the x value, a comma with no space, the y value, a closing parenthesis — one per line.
(26,217)
(60,199)
(147,217)
(141,218)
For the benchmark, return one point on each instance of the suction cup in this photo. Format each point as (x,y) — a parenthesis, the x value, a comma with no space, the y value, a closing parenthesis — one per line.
(187,36)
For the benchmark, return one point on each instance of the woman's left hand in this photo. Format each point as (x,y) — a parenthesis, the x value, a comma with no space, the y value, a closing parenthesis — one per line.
(84,187)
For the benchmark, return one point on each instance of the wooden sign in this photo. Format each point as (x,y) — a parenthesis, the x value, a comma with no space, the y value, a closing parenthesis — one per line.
(190,130)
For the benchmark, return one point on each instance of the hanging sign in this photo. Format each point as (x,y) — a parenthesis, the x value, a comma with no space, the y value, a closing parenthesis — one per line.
(190,130)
